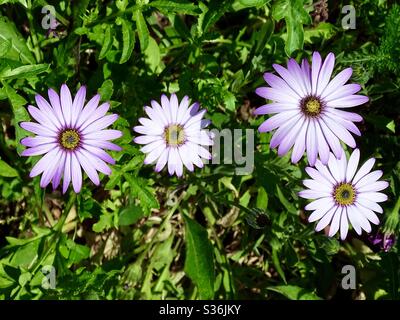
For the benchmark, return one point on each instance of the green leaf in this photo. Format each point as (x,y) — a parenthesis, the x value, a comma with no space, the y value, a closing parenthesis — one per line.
(122,4)
(19,50)
(20,114)
(242,4)
(128,41)
(289,207)
(294,292)
(74,252)
(152,55)
(105,222)
(295,16)
(24,71)
(277,262)
(7,171)
(215,11)
(106,90)
(23,2)
(391,126)
(140,190)
(143,32)
(199,261)
(262,199)
(130,215)
(263,36)
(5,46)
(107,43)
(323,30)
(181,7)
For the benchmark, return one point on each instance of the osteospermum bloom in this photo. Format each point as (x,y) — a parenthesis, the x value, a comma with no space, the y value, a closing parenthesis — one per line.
(70,136)
(344,195)
(175,134)
(307,103)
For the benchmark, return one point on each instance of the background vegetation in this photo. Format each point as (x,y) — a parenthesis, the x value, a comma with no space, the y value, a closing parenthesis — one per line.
(213,234)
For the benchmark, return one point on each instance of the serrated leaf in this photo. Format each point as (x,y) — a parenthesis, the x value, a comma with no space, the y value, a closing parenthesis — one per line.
(19,50)
(323,30)
(199,261)
(24,71)
(181,7)
(107,43)
(20,114)
(215,11)
(5,46)
(143,32)
(141,191)
(295,16)
(105,222)
(128,41)
(106,90)
(23,2)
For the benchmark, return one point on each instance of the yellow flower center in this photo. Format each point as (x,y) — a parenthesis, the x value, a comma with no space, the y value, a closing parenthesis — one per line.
(344,194)
(174,135)
(70,139)
(311,106)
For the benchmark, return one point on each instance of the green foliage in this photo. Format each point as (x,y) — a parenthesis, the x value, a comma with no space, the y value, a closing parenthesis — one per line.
(199,262)
(212,234)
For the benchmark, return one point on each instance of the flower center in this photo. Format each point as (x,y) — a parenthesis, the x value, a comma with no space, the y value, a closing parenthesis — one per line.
(69,139)
(174,135)
(311,106)
(344,194)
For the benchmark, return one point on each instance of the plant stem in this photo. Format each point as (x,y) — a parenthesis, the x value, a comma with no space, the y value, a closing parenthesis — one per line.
(36,48)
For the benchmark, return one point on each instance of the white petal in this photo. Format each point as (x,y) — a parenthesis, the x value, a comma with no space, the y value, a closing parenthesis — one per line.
(326,219)
(352,165)
(368,214)
(368,179)
(320,178)
(354,219)
(366,203)
(344,224)
(320,212)
(317,186)
(323,202)
(312,194)
(376,186)
(335,225)
(334,168)
(365,169)
(373,196)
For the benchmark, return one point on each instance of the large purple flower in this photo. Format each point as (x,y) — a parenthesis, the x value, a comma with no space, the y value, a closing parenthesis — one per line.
(70,135)
(307,105)
(174,134)
(344,195)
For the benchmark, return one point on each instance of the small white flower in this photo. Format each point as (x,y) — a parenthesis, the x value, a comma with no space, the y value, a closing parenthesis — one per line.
(174,134)
(344,195)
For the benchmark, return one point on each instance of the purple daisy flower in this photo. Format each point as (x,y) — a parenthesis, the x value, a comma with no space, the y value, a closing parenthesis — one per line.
(344,195)
(306,102)
(70,135)
(175,134)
